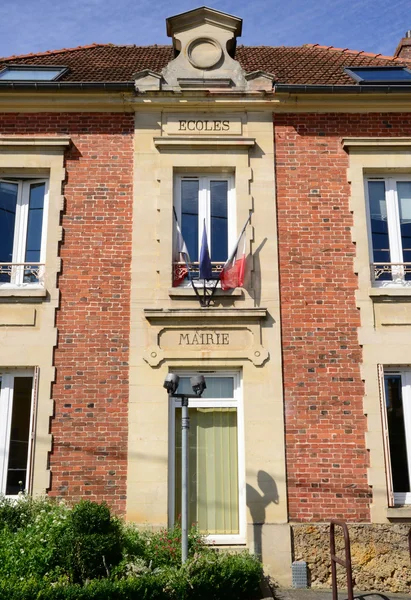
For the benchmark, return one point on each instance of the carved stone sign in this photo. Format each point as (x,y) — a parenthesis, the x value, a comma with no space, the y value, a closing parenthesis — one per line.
(191,335)
(205,339)
(202,124)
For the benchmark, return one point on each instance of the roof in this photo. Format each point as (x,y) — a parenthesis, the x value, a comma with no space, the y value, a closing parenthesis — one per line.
(303,65)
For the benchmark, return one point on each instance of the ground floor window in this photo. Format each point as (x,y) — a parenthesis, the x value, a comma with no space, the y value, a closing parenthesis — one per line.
(216,463)
(16,425)
(397,388)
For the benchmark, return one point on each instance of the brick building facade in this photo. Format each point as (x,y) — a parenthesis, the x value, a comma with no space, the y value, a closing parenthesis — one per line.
(307,416)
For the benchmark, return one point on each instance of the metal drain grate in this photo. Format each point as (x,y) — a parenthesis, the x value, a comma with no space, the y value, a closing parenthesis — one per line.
(299,574)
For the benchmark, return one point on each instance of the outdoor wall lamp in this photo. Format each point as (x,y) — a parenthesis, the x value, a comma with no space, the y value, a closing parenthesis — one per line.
(198,384)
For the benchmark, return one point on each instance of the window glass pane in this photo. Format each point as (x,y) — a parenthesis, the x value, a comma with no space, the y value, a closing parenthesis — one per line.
(217,387)
(8,203)
(19,435)
(11,74)
(34,226)
(189,216)
(213,470)
(396,430)
(404,206)
(384,74)
(379,224)
(219,220)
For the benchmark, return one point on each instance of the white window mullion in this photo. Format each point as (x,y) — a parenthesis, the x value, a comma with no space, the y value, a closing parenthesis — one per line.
(394,231)
(6,405)
(203,211)
(233,230)
(44,232)
(22,215)
(406,400)
(32,438)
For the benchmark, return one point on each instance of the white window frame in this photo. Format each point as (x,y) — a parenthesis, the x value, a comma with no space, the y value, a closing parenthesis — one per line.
(401,498)
(204,212)
(6,411)
(394,229)
(20,230)
(235,402)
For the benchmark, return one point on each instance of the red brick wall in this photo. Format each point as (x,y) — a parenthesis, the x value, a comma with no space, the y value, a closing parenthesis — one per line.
(326,453)
(89,457)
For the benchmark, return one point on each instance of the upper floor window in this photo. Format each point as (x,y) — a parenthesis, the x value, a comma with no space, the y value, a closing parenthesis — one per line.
(23,211)
(389,207)
(16,408)
(206,200)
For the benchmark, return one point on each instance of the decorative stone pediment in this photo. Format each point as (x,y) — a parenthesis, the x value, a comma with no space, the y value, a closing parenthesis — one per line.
(204,42)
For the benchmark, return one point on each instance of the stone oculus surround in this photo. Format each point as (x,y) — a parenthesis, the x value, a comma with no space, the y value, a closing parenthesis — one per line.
(204,42)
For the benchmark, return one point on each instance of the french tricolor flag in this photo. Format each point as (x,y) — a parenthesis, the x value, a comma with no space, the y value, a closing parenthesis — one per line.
(232,275)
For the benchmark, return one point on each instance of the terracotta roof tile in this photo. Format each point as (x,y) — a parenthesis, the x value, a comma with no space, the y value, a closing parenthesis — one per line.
(309,64)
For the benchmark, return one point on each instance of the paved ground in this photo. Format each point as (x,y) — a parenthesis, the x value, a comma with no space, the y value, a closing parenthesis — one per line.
(309,594)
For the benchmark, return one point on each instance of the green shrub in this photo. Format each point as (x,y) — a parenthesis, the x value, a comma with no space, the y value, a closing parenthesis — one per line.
(29,542)
(91,545)
(220,575)
(49,551)
(17,513)
(150,587)
(161,548)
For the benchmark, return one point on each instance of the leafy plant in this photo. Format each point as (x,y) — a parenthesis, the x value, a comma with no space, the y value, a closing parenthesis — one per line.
(51,551)
(92,543)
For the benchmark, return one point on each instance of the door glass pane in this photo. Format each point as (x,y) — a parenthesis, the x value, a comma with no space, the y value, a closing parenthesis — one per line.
(213,470)
(219,220)
(189,216)
(19,435)
(404,205)
(8,203)
(379,225)
(217,387)
(396,430)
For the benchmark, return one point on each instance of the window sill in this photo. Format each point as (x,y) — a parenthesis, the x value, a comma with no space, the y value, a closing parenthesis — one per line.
(399,512)
(23,292)
(188,292)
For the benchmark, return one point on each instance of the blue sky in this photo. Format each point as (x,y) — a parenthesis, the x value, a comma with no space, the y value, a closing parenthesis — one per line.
(39,25)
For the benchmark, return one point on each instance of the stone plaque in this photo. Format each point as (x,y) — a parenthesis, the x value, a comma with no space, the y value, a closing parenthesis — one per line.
(203,124)
(205,339)
(191,335)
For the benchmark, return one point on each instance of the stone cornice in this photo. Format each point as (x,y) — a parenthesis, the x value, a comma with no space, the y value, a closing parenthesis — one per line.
(13,140)
(204,313)
(375,141)
(203,141)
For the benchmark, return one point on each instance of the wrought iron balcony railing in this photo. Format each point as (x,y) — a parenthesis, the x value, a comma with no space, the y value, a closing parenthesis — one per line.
(180,269)
(391,272)
(22,273)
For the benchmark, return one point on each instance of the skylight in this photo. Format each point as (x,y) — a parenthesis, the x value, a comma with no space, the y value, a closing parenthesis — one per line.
(30,73)
(380,75)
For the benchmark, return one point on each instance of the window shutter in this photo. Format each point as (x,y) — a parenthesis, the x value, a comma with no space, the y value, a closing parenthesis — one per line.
(30,462)
(385,435)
